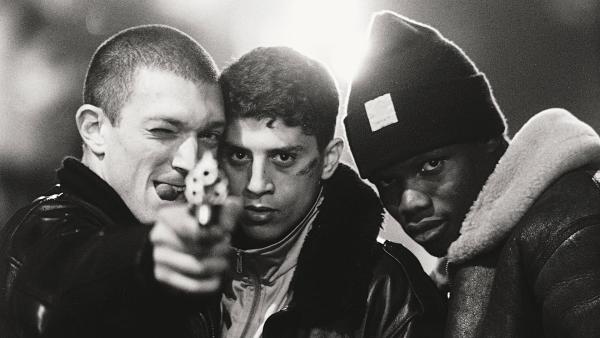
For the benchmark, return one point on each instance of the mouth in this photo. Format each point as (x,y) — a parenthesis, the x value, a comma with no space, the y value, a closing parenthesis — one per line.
(426,230)
(258,214)
(170,192)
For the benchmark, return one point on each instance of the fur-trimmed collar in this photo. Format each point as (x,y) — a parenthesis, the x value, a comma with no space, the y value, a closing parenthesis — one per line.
(550,144)
(333,272)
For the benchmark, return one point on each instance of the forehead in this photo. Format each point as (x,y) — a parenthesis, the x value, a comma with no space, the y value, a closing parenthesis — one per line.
(162,95)
(266,134)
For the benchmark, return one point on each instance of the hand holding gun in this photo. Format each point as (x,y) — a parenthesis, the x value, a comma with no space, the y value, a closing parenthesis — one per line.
(191,242)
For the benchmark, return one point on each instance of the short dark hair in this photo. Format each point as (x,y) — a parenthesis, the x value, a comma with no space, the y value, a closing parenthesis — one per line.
(281,83)
(110,75)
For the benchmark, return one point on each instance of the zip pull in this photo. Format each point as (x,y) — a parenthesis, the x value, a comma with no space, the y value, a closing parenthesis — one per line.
(239,268)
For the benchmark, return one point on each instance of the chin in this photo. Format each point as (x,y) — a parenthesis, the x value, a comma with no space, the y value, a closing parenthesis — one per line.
(437,253)
(437,249)
(257,233)
(255,236)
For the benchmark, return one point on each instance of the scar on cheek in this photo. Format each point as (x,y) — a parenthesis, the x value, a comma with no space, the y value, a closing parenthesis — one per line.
(309,169)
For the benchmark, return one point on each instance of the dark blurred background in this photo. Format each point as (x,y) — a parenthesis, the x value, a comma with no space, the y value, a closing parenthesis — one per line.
(537,54)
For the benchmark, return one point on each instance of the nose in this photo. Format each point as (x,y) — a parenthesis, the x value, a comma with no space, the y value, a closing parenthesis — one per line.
(259,183)
(186,155)
(414,205)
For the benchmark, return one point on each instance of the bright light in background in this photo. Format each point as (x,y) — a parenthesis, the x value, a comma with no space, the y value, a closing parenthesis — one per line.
(328,26)
(328,30)
(192,11)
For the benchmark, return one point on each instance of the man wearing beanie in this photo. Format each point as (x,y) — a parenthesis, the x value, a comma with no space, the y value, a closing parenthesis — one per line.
(517,221)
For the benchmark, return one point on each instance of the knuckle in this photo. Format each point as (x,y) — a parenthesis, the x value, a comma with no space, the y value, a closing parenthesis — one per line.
(155,233)
(158,254)
(161,274)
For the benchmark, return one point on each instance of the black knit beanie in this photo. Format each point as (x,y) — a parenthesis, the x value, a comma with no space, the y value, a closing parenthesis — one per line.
(416,91)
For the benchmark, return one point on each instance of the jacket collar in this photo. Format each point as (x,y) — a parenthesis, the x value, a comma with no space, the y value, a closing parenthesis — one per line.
(334,266)
(77,179)
(550,144)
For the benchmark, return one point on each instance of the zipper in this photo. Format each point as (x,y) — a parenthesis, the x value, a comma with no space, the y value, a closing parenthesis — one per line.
(206,324)
(255,302)
(239,268)
(211,327)
(447,268)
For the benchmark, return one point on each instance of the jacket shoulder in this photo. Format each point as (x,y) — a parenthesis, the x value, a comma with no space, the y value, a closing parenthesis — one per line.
(53,214)
(570,205)
(400,265)
(556,247)
(401,286)
(59,260)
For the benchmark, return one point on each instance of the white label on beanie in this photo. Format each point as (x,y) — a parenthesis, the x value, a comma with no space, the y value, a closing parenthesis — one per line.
(381,112)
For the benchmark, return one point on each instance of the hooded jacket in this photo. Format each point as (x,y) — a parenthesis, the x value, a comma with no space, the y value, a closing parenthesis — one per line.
(76,263)
(527,262)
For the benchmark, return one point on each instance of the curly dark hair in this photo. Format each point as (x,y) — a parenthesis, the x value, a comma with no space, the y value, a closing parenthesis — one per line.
(281,83)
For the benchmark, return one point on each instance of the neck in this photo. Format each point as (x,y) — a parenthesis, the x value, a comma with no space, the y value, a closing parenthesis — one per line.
(92,161)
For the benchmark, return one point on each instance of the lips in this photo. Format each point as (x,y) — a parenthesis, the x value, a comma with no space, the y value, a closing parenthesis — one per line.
(426,230)
(258,213)
(169,192)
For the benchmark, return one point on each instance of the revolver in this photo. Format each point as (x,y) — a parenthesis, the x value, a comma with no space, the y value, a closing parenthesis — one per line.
(206,189)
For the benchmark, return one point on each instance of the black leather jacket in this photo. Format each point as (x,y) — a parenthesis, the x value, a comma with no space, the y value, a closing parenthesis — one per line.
(547,280)
(547,272)
(76,263)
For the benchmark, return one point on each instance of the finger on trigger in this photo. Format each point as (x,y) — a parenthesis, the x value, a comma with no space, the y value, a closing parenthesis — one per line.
(178,218)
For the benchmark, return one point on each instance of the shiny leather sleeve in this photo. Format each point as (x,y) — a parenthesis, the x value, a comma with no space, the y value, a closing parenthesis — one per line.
(64,264)
(564,264)
(568,282)
(547,280)
(402,299)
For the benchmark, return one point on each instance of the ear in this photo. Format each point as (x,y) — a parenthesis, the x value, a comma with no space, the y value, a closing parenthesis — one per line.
(89,120)
(331,157)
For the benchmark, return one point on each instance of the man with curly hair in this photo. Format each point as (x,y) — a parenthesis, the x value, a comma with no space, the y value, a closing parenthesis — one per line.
(307,262)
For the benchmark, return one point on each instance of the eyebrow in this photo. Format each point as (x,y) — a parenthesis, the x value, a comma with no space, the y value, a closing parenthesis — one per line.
(214,124)
(288,149)
(168,120)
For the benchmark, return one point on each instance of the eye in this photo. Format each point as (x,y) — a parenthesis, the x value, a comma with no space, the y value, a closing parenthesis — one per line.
(284,159)
(432,166)
(211,137)
(238,157)
(162,132)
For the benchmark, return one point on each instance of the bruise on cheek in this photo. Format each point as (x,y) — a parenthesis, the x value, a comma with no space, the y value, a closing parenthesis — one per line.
(309,169)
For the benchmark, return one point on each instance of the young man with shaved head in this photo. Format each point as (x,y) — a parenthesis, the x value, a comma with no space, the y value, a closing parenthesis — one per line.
(518,222)
(97,256)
